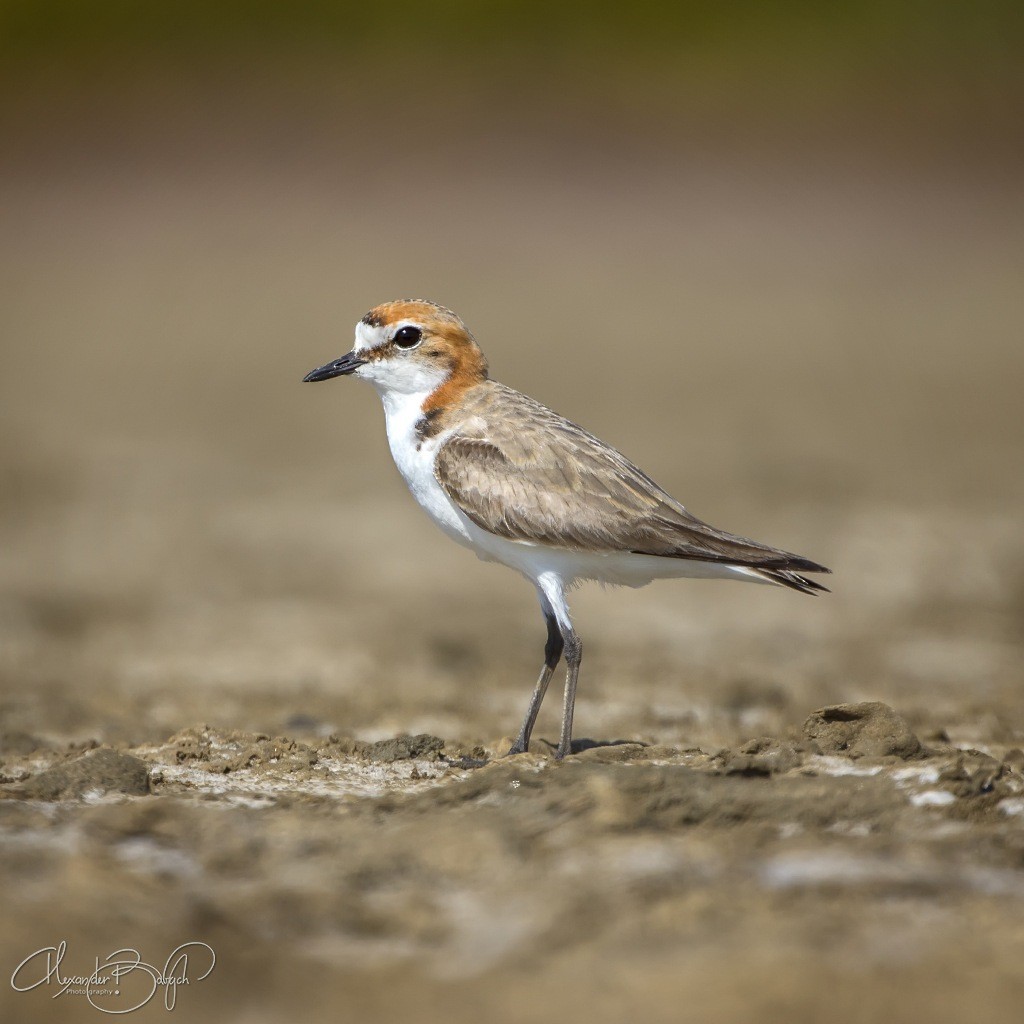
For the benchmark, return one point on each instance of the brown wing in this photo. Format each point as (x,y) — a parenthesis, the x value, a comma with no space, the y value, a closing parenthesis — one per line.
(534,476)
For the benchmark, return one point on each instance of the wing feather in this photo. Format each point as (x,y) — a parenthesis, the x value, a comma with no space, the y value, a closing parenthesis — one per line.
(533,476)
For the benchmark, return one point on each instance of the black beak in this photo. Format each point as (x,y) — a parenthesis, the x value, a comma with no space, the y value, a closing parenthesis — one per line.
(347,364)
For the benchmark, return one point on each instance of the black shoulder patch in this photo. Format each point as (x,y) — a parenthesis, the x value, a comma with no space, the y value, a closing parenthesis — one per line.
(429,424)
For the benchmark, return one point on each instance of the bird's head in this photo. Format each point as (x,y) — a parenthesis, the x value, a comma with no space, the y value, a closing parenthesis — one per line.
(410,346)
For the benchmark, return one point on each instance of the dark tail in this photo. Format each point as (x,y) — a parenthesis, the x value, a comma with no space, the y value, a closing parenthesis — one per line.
(793,580)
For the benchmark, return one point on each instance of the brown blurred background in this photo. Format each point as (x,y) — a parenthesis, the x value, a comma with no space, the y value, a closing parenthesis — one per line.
(774,253)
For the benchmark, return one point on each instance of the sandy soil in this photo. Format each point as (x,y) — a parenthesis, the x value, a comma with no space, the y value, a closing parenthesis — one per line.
(220,613)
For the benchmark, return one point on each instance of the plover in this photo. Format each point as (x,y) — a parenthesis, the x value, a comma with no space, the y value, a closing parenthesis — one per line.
(520,485)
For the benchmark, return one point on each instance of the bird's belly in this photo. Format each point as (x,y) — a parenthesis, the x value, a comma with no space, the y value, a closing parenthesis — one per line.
(615,568)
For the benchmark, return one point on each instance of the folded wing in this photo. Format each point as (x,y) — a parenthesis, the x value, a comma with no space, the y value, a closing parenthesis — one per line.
(534,476)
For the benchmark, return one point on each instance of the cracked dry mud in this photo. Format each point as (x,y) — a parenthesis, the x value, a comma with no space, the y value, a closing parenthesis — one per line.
(386,873)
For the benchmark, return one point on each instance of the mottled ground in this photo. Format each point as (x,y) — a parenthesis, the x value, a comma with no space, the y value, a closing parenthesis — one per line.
(220,612)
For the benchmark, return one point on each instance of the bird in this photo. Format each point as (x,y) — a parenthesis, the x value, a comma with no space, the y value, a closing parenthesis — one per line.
(507,477)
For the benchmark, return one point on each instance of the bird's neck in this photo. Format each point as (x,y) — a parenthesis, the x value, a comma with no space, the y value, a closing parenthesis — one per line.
(465,372)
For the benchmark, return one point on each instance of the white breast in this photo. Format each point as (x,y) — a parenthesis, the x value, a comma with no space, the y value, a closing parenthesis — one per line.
(415,461)
(414,458)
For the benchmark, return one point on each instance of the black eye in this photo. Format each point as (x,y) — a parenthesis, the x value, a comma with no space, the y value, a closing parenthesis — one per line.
(408,337)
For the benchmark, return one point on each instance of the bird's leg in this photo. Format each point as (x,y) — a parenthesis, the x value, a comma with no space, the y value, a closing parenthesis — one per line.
(551,588)
(552,654)
(573,657)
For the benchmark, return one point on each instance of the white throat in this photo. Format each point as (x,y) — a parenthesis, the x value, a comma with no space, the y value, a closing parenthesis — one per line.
(402,409)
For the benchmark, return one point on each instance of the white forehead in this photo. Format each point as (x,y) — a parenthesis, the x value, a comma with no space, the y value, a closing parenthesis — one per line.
(368,337)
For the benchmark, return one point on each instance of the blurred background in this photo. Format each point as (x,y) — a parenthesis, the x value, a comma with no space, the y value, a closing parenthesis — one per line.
(773,252)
